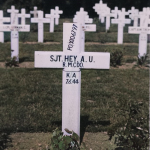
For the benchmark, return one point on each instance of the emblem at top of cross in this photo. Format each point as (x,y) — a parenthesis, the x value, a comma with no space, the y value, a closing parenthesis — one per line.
(101,9)
(82,17)
(104,11)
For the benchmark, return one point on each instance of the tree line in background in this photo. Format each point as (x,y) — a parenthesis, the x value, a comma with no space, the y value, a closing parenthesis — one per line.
(70,7)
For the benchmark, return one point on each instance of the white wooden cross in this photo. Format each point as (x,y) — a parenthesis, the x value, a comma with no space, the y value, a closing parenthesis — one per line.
(2,20)
(34,12)
(134,15)
(57,16)
(143,30)
(40,20)
(100,9)
(14,28)
(13,15)
(83,18)
(104,11)
(121,21)
(23,16)
(51,17)
(72,61)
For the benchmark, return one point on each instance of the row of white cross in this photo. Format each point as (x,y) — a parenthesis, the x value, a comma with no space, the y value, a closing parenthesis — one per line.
(14,27)
(72,59)
(120,18)
(38,18)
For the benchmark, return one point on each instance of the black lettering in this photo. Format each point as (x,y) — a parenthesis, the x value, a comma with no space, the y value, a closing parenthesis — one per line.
(90,58)
(51,56)
(64,64)
(69,64)
(74,75)
(66,58)
(67,75)
(82,58)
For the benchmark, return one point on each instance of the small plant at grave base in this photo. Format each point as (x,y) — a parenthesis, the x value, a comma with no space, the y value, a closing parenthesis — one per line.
(142,59)
(131,129)
(64,142)
(12,62)
(116,58)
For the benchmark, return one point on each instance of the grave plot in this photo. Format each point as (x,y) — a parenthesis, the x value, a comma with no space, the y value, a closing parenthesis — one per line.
(14,28)
(31,99)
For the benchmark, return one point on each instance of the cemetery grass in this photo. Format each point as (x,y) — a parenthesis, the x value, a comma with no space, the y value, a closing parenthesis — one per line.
(31,99)
(40,141)
(26,52)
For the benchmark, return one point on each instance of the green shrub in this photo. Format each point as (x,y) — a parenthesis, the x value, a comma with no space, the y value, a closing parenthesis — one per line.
(12,62)
(64,142)
(130,125)
(142,59)
(116,57)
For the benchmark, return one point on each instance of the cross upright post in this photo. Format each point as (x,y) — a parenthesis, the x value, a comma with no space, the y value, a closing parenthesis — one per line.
(34,12)
(72,60)
(134,15)
(2,20)
(51,17)
(57,16)
(13,15)
(14,28)
(121,21)
(40,20)
(143,30)
(23,16)
(83,18)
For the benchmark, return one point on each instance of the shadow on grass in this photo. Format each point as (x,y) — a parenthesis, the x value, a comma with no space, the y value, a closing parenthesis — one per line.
(92,124)
(119,148)
(84,123)
(4,140)
(23,59)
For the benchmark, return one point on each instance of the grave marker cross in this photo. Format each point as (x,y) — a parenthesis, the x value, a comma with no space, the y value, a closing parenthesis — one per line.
(23,16)
(40,20)
(134,15)
(13,15)
(71,61)
(2,20)
(14,28)
(100,8)
(34,12)
(121,21)
(83,18)
(51,17)
(57,16)
(143,30)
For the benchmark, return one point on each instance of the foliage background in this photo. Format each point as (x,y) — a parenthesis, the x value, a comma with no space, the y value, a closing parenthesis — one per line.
(70,7)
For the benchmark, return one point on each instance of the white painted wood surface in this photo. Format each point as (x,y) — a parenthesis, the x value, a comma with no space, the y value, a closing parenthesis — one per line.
(3,20)
(71,60)
(40,21)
